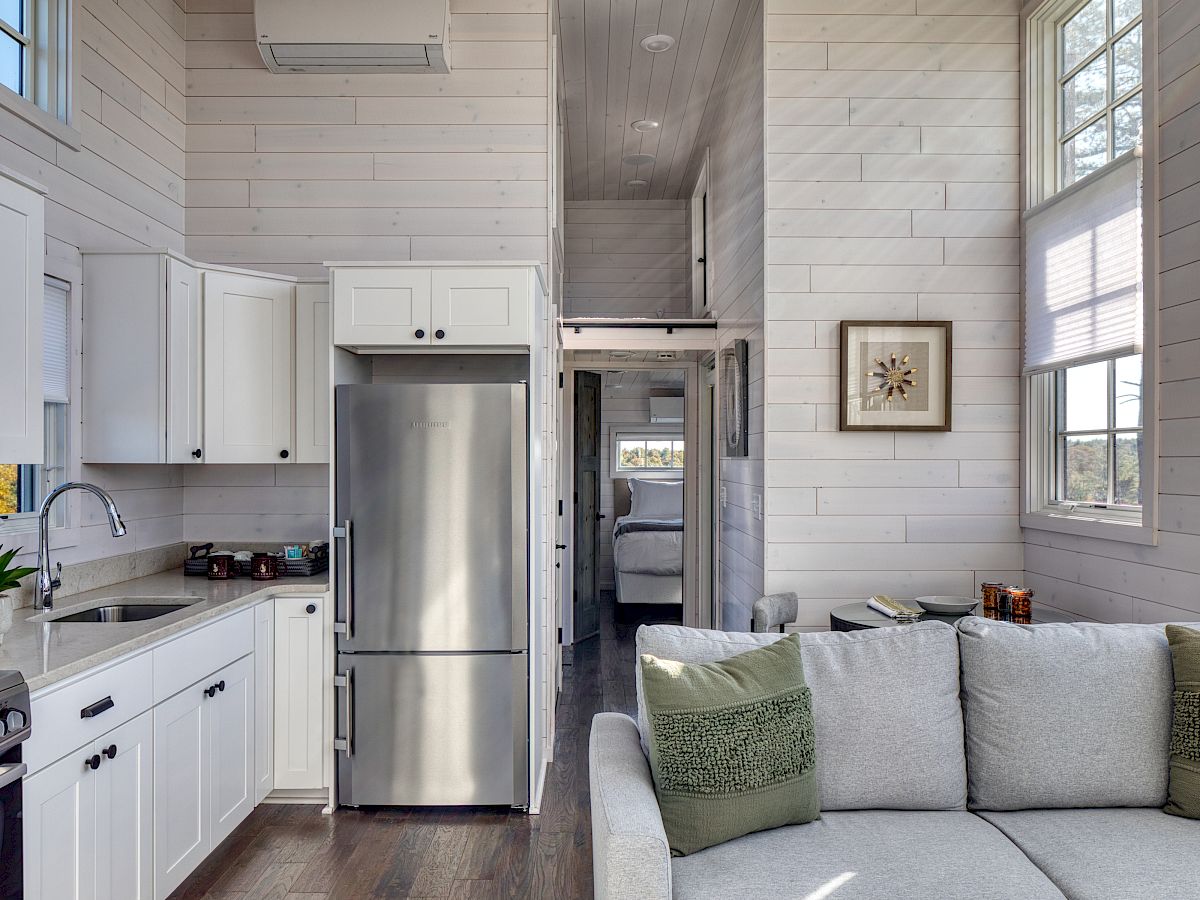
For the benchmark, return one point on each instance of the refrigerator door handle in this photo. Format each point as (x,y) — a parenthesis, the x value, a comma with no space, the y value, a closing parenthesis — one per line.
(346,744)
(347,627)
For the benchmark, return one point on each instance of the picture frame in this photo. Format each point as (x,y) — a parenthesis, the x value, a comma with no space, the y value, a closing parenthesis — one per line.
(734,372)
(895,376)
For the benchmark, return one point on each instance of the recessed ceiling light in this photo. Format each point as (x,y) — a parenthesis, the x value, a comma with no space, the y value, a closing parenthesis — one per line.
(619,354)
(638,159)
(644,125)
(657,43)
(637,182)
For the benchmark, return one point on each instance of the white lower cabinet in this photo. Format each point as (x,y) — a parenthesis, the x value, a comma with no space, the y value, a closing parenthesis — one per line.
(133,810)
(206,732)
(87,820)
(299,708)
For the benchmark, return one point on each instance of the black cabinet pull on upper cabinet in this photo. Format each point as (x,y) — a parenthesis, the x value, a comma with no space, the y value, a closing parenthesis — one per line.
(283,454)
(439,334)
(419,333)
(96,708)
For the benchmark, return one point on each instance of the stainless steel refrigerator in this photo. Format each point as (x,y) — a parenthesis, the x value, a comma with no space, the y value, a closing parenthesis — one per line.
(432,594)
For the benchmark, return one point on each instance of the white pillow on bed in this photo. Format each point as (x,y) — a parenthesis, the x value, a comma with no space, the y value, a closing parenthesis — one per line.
(656,499)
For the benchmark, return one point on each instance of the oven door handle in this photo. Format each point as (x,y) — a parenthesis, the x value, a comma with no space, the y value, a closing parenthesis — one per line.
(12,773)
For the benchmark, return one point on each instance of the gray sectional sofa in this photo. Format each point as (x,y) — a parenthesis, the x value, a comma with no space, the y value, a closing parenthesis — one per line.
(985,761)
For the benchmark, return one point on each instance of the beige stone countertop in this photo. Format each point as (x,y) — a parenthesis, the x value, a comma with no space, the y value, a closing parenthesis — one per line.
(47,651)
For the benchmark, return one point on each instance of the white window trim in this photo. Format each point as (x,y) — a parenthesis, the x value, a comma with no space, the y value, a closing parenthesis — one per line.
(1040,134)
(67,75)
(23,531)
(638,431)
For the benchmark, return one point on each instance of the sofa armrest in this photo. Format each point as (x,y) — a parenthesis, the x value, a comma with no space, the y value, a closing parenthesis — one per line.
(630,855)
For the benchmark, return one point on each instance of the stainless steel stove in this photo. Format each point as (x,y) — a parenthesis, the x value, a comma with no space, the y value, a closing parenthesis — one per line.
(14,728)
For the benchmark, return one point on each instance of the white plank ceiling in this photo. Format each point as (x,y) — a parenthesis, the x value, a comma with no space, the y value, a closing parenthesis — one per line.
(610,81)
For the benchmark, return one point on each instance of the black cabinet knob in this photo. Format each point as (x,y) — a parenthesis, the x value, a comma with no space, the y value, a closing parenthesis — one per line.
(283,454)
(221,686)
(110,751)
(419,333)
(211,690)
(439,334)
(92,762)
(311,608)
(197,453)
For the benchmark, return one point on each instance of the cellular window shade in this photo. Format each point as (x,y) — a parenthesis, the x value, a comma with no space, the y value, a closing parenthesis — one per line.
(1083,271)
(56,354)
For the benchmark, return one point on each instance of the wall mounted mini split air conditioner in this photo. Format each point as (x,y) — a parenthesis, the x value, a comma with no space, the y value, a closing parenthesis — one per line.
(354,36)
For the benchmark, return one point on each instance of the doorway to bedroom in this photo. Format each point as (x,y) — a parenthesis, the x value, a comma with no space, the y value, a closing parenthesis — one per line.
(632,554)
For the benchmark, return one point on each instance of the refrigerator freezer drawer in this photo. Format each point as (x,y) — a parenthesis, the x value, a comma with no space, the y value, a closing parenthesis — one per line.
(434,729)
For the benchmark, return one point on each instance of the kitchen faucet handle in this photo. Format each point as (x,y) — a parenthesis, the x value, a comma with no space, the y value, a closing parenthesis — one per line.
(56,580)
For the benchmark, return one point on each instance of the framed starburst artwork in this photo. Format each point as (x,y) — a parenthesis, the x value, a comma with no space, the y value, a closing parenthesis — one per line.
(896,376)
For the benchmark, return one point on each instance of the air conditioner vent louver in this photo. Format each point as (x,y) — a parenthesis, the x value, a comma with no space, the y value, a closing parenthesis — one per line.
(354,36)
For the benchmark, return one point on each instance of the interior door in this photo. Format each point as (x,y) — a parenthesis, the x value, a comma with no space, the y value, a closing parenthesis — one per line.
(587,505)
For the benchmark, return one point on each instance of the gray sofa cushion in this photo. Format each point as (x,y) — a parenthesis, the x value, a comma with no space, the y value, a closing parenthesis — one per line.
(885,706)
(847,855)
(1065,715)
(1109,854)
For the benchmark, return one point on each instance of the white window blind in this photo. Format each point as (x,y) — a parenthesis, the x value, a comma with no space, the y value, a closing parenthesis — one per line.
(1083,270)
(56,354)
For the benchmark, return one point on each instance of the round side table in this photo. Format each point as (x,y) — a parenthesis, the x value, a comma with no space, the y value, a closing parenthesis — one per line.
(857,616)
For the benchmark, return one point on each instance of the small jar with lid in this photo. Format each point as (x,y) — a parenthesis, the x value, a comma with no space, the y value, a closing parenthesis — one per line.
(990,592)
(1021,604)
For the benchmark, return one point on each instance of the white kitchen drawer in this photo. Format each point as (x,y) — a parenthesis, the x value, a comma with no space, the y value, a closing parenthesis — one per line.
(197,654)
(59,723)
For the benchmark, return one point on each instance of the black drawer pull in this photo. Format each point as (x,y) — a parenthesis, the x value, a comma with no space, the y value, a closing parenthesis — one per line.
(89,712)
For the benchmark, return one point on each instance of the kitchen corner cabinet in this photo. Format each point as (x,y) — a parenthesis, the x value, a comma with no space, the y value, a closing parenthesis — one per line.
(22,222)
(393,308)
(91,812)
(312,372)
(190,364)
(247,368)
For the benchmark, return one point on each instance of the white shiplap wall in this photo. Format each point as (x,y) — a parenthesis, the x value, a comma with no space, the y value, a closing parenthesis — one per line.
(123,188)
(288,170)
(626,258)
(892,159)
(735,199)
(1109,580)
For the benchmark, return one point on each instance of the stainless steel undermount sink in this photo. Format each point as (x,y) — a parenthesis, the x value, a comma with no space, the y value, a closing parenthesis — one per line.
(122,612)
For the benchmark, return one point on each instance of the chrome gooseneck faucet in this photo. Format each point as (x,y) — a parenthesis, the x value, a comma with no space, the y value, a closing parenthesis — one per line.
(47,582)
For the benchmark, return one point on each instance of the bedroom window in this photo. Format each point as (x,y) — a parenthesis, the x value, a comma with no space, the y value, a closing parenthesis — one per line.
(648,452)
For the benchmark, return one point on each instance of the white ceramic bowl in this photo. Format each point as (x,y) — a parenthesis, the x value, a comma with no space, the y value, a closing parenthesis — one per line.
(947,606)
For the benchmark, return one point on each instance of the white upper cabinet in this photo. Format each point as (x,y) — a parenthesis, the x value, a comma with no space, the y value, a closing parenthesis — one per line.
(482,306)
(184,364)
(141,359)
(22,219)
(312,373)
(381,306)
(247,369)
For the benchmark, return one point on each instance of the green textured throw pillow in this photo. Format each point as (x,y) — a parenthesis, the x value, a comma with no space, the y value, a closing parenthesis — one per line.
(1183,790)
(731,744)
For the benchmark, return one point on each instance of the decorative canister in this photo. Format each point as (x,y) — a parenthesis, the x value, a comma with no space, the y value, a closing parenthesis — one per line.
(264,567)
(220,566)
(1020,603)
(990,592)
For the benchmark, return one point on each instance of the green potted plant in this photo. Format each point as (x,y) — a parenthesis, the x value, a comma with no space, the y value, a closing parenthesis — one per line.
(10,578)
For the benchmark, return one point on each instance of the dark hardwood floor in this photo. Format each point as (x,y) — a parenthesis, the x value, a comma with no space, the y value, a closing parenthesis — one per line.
(296,853)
